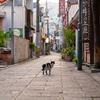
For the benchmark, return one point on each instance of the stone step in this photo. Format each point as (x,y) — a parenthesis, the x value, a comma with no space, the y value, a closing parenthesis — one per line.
(5,62)
(95,70)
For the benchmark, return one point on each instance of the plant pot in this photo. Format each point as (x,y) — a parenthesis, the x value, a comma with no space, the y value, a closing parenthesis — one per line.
(69,58)
(6,57)
(1,55)
(66,57)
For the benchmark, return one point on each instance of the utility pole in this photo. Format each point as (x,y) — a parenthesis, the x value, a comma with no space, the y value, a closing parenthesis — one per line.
(48,19)
(47,26)
(12,34)
(37,26)
(79,38)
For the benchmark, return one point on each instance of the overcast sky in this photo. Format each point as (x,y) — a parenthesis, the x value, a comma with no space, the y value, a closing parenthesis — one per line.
(43,1)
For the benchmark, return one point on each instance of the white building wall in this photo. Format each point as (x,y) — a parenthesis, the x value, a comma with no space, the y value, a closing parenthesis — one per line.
(29,4)
(72,11)
(19,19)
(3,21)
(34,17)
(23,2)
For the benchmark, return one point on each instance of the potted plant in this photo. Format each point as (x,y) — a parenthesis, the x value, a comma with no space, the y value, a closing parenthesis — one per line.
(32,46)
(38,52)
(3,39)
(70,53)
(75,60)
(69,37)
(63,54)
(66,57)
(47,50)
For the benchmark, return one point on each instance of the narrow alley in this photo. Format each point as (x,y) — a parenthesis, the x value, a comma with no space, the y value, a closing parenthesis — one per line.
(25,81)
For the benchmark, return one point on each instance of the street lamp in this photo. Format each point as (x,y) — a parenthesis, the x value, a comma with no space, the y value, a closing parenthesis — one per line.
(46,17)
(59,30)
(47,40)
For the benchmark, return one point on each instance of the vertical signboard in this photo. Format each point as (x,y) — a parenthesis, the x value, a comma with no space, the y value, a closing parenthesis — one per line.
(72,2)
(3,1)
(84,19)
(17,31)
(61,6)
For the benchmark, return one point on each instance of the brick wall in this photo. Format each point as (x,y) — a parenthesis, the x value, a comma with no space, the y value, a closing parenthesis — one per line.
(21,49)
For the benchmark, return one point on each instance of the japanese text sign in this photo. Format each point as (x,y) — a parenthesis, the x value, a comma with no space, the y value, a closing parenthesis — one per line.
(61,6)
(85,19)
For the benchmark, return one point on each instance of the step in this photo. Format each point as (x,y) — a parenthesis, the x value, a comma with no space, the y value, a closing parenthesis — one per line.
(93,70)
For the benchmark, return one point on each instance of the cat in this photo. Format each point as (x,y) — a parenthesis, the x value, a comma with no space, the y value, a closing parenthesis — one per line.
(48,66)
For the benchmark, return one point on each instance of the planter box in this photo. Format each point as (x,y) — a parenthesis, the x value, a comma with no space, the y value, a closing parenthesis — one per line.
(69,58)
(63,58)
(6,57)
(1,55)
(66,58)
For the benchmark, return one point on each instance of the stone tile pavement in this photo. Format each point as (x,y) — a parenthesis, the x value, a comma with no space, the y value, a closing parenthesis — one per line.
(26,82)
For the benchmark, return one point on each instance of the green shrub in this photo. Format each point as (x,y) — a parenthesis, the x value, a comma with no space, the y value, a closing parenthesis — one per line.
(3,37)
(38,51)
(47,53)
(70,51)
(69,37)
(63,53)
(32,46)
(75,60)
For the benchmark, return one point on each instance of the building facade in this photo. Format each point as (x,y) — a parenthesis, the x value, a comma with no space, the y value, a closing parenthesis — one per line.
(23,18)
(90,30)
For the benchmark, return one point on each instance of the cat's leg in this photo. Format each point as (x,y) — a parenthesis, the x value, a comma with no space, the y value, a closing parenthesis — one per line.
(50,71)
(46,72)
(43,72)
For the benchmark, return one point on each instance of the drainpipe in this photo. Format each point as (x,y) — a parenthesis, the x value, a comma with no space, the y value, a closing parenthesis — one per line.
(12,35)
(37,26)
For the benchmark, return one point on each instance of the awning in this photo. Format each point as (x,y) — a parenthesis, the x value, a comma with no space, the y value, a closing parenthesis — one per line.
(31,28)
(74,20)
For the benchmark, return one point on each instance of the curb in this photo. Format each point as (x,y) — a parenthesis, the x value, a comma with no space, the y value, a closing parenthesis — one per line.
(9,66)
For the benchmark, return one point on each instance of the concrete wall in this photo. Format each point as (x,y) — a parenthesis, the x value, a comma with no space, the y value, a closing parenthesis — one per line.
(21,49)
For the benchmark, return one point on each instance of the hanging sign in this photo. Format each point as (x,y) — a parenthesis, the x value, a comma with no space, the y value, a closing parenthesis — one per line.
(84,19)
(61,6)
(3,1)
(72,2)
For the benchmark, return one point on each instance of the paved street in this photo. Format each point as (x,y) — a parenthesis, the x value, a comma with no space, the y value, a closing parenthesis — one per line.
(26,82)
